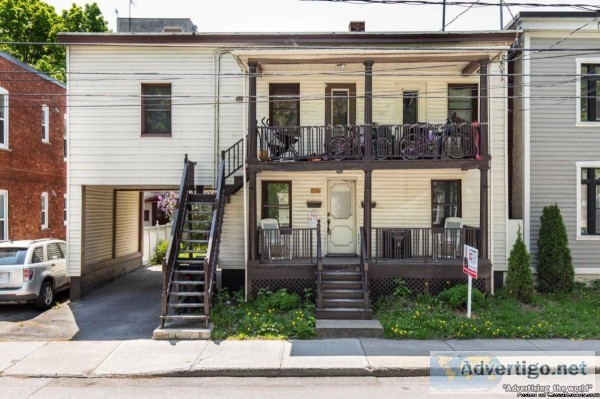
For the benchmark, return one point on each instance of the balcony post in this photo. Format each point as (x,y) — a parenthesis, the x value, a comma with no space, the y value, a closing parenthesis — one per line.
(252,144)
(367,211)
(252,221)
(484,170)
(368,117)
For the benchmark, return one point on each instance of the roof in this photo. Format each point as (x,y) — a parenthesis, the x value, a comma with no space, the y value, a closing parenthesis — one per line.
(288,39)
(29,68)
(552,15)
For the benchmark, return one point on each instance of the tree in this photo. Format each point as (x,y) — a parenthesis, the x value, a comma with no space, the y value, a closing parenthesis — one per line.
(519,281)
(36,22)
(554,261)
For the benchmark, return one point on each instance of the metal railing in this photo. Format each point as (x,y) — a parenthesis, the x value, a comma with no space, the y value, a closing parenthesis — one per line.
(287,244)
(400,142)
(233,158)
(423,243)
(319,269)
(364,267)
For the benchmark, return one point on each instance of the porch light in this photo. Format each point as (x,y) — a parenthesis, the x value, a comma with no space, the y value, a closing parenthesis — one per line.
(341,66)
(339,171)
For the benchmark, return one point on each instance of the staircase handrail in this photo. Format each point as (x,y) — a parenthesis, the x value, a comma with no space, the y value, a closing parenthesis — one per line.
(364,267)
(187,181)
(233,158)
(319,267)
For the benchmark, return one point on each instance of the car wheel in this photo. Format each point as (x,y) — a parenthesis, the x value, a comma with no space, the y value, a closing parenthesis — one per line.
(45,299)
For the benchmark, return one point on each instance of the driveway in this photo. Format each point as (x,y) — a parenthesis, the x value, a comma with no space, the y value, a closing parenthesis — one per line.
(125,309)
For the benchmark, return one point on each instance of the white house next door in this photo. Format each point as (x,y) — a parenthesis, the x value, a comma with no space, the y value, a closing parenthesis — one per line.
(341,217)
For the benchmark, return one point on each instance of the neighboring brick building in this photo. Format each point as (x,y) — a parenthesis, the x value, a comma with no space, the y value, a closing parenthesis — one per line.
(32,153)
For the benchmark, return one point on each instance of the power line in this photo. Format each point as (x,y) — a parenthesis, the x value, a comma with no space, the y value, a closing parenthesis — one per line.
(464,3)
(459,15)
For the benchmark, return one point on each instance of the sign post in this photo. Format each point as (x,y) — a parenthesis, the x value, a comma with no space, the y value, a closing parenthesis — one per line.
(470,264)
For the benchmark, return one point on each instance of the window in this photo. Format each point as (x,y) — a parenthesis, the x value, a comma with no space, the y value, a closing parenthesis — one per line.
(410,107)
(44,210)
(284,104)
(156,109)
(340,107)
(54,252)
(276,200)
(462,103)
(3,118)
(45,124)
(146,215)
(38,255)
(65,212)
(445,201)
(65,141)
(590,201)
(3,215)
(590,92)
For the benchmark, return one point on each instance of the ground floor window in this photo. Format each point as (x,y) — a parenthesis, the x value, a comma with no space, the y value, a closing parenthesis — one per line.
(65,213)
(3,215)
(44,212)
(276,202)
(445,201)
(590,201)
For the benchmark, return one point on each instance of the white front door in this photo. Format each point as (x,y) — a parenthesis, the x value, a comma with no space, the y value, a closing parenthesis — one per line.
(341,217)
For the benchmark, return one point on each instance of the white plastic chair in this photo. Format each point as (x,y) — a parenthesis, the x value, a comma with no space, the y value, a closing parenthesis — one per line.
(274,242)
(451,243)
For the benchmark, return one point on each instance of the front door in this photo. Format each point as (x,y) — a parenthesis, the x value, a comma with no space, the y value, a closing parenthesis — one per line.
(341,218)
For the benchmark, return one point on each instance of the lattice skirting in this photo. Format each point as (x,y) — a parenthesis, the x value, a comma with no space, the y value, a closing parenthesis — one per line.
(385,286)
(297,285)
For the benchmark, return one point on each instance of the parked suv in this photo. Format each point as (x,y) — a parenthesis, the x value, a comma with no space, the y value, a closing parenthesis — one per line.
(33,271)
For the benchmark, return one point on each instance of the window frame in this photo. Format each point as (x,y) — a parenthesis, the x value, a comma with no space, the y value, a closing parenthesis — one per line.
(264,206)
(295,96)
(65,139)
(415,95)
(44,212)
(474,100)
(4,193)
(143,105)
(329,89)
(578,167)
(65,209)
(580,62)
(459,198)
(45,124)
(4,93)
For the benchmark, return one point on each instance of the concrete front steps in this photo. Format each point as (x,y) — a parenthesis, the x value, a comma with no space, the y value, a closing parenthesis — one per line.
(338,328)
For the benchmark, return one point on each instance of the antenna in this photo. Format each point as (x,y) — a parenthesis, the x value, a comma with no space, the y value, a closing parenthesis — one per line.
(444,16)
(130,4)
(501,16)
(116,12)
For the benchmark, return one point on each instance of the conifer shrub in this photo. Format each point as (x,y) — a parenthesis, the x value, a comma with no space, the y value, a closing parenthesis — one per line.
(519,280)
(554,261)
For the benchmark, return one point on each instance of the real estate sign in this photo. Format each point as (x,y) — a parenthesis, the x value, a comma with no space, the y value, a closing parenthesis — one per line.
(470,261)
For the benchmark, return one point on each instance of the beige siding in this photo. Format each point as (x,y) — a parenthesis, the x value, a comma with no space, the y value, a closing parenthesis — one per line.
(74,233)
(98,224)
(127,223)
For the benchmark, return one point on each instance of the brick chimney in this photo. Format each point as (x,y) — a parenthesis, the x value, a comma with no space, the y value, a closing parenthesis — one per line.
(356,26)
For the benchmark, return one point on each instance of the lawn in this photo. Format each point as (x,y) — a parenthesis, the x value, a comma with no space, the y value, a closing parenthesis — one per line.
(575,316)
(271,315)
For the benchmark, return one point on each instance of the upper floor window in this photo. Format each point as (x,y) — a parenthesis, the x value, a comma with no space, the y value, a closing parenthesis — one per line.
(45,124)
(44,212)
(3,215)
(590,201)
(3,118)
(462,103)
(65,142)
(410,107)
(284,104)
(156,108)
(590,92)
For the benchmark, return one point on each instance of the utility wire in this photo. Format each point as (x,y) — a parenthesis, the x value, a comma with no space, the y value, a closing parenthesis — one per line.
(459,15)
(464,3)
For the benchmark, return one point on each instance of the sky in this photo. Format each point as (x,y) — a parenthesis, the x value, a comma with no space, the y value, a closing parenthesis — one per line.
(305,16)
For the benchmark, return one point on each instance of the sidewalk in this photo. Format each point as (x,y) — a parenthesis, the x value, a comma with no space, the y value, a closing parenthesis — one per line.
(295,358)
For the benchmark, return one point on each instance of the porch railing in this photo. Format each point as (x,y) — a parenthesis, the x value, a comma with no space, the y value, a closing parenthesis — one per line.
(288,244)
(400,142)
(423,243)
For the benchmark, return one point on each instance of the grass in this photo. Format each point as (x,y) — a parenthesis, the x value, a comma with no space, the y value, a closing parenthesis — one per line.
(271,315)
(573,316)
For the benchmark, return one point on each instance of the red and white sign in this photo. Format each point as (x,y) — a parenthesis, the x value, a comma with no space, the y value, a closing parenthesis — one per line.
(470,261)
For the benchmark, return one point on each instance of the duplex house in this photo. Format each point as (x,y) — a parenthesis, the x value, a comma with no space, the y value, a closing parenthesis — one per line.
(334,162)
(554,130)
(33,153)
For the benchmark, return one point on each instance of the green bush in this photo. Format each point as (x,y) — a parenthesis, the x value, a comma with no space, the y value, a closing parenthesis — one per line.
(401,290)
(554,261)
(519,280)
(279,300)
(456,297)
(160,252)
(596,284)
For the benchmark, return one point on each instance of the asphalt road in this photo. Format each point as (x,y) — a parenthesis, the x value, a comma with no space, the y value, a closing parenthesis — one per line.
(128,308)
(247,388)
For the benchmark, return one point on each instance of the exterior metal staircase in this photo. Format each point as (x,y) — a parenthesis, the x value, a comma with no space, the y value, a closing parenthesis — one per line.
(190,267)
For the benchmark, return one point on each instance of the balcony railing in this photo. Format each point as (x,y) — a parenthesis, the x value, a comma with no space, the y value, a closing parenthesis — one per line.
(392,142)
(288,244)
(423,243)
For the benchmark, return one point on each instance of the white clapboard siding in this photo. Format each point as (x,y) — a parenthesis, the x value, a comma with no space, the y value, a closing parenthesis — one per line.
(127,223)
(74,237)
(98,225)
(232,253)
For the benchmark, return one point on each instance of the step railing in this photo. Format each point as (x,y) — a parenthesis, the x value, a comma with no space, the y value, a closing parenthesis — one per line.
(319,269)
(233,158)
(168,266)
(364,267)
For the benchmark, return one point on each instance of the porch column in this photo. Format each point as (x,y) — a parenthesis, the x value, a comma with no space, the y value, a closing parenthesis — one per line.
(251,157)
(368,137)
(484,150)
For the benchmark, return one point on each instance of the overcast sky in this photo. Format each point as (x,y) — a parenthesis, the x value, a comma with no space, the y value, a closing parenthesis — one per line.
(303,16)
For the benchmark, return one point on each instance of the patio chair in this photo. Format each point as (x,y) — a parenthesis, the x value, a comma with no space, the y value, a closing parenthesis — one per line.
(450,240)
(275,244)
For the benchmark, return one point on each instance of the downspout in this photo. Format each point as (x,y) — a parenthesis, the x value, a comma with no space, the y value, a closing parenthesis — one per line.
(217,54)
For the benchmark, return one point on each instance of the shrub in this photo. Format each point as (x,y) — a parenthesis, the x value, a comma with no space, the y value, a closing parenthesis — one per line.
(401,290)
(519,281)
(554,261)
(279,300)
(160,252)
(596,284)
(456,297)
